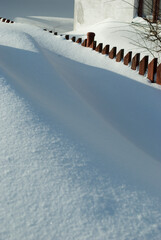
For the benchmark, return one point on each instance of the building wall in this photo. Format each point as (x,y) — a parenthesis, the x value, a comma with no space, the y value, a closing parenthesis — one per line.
(88,12)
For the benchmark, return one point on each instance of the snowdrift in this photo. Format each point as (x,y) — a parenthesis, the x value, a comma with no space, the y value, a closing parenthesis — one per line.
(111,112)
(107,110)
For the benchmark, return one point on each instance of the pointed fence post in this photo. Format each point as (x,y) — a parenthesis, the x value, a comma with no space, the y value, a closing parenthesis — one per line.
(120,55)
(73,39)
(158,80)
(105,50)
(127,58)
(152,69)
(67,37)
(112,53)
(84,44)
(143,65)
(99,48)
(135,61)
(90,38)
(79,40)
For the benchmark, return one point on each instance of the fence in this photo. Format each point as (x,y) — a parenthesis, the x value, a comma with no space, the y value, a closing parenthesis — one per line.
(150,69)
(6,20)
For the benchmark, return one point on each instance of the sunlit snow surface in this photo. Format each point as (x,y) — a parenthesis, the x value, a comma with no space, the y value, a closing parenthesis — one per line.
(50,187)
(50,191)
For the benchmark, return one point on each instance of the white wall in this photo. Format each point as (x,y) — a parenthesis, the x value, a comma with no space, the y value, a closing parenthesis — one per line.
(88,12)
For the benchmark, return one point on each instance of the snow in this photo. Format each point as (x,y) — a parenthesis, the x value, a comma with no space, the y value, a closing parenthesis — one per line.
(79,141)
(55,24)
(55,15)
(50,188)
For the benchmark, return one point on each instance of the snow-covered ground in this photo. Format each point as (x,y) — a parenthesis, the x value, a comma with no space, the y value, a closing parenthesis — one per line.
(55,15)
(56,24)
(79,142)
(50,189)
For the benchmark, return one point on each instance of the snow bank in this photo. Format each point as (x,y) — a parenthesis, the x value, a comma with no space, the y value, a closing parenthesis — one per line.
(51,189)
(104,181)
(96,105)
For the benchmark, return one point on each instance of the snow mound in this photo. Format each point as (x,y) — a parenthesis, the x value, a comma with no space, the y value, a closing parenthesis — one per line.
(49,189)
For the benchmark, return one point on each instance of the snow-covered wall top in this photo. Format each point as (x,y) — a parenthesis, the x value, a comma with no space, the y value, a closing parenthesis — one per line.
(88,12)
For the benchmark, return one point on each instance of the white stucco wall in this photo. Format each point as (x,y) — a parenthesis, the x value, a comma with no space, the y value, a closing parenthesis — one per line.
(88,12)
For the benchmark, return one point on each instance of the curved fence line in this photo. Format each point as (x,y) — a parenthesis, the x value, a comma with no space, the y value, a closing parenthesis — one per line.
(152,70)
